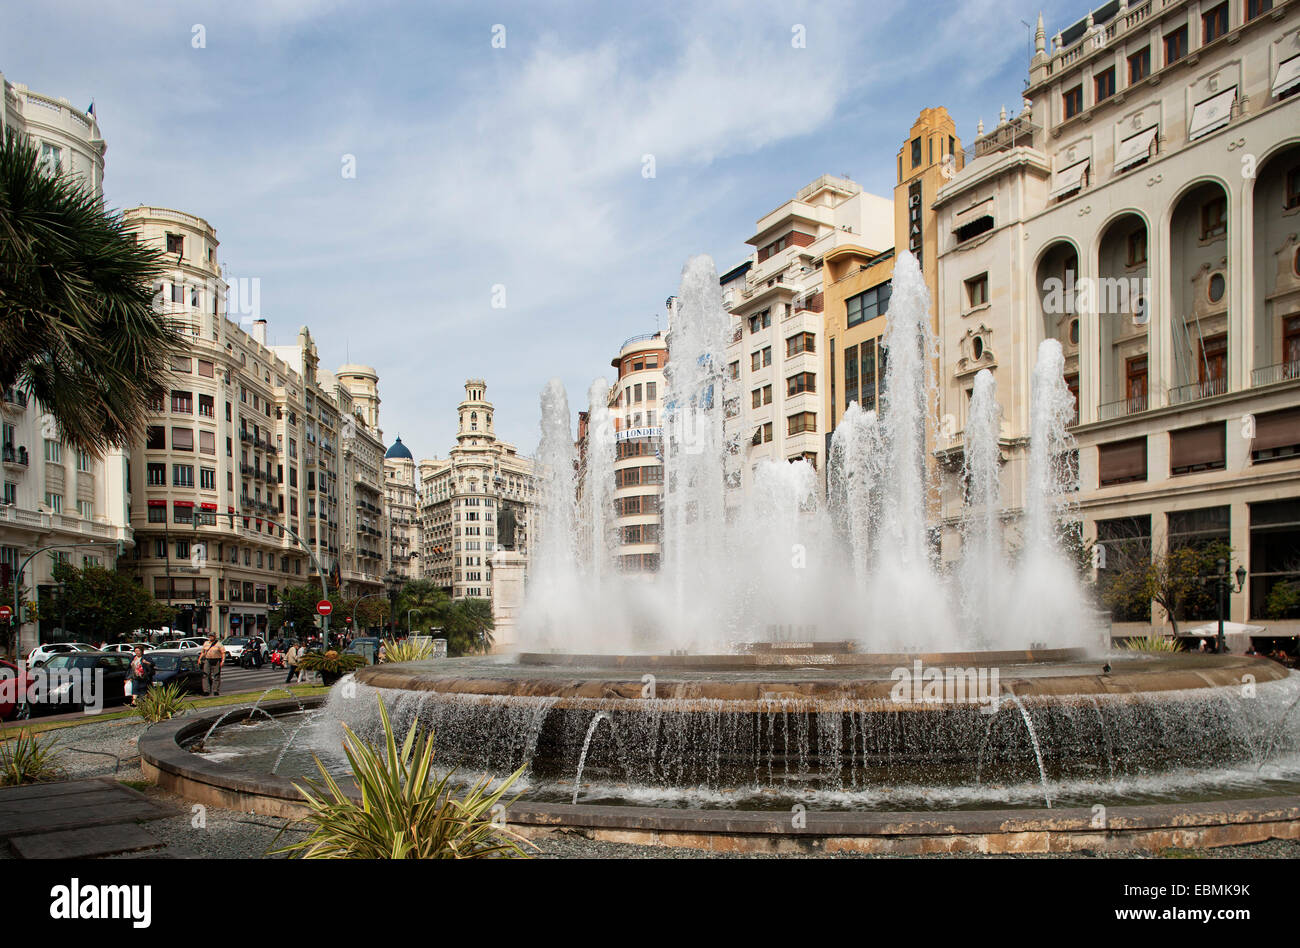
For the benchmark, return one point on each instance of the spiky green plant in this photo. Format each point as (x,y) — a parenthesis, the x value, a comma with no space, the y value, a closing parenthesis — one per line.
(403,812)
(161,702)
(28,759)
(1154,643)
(331,662)
(407,650)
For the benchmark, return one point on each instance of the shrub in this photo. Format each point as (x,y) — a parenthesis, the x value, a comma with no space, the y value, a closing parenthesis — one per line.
(28,759)
(403,813)
(331,662)
(407,650)
(161,702)
(1154,643)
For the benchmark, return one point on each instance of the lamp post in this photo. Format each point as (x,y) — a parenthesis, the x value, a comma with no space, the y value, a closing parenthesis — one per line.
(1223,587)
(393,583)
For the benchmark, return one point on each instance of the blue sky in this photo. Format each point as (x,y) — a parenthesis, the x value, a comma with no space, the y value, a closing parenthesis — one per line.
(518,166)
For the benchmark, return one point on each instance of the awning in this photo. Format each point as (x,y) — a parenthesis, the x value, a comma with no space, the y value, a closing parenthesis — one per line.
(157,503)
(207,506)
(1069,179)
(1214,112)
(973,213)
(1288,75)
(1136,148)
(182,503)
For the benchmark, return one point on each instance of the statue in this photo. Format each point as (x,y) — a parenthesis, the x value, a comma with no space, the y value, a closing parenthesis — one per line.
(506,528)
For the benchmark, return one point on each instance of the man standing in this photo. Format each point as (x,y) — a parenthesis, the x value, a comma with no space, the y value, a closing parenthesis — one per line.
(211,657)
(291,661)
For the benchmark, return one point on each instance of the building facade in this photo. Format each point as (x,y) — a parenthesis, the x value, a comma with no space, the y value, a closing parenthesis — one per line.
(775,362)
(402,506)
(54,495)
(363,520)
(636,406)
(470,499)
(1143,210)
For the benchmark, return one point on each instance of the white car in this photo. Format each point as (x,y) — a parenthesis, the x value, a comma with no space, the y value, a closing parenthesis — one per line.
(128,647)
(183,645)
(43,653)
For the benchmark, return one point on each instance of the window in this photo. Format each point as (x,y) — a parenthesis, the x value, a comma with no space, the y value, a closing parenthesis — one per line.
(83,461)
(205,368)
(182,475)
(1197,449)
(1214,23)
(1073,101)
(51,158)
(54,502)
(208,478)
(733,370)
(160,546)
(1175,45)
(1216,287)
(1214,218)
(1121,462)
(1255,7)
(802,382)
(767,356)
(977,291)
(1104,85)
(760,320)
(916,152)
(1139,65)
(156,475)
(181,364)
(157,514)
(1293,188)
(183,402)
(1137,248)
(874,302)
(1277,435)
(11,493)
(84,510)
(801,422)
(207,406)
(175,244)
(761,396)
(755,361)
(767,432)
(1135,383)
(800,342)
(182,439)
(651,391)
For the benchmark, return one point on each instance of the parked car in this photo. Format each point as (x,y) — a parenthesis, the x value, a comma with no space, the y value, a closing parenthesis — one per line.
(43,653)
(115,665)
(180,667)
(236,644)
(191,645)
(8,698)
(367,647)
(128,647)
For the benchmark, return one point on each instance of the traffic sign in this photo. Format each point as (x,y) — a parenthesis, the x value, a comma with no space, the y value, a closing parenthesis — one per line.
(324,607)
(6,613)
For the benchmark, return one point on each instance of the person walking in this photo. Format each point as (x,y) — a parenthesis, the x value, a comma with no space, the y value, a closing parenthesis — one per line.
(142,672)
(291,661)
(211,657)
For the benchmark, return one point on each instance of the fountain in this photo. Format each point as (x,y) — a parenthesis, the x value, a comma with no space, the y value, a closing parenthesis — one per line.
(810,648)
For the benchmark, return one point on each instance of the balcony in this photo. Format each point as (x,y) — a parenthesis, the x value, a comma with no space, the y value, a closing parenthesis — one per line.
(1272,374)
(15,402)
(15,458)
(1108,411)
(1194,392)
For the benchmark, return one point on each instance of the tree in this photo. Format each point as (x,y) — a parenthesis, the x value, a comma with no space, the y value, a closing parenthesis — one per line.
(95,603)
(469,626)
(298,606)
(1179,581)
(78,328)
(431,605)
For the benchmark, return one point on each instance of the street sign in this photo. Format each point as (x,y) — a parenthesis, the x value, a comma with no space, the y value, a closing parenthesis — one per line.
(6,613)
(324,607)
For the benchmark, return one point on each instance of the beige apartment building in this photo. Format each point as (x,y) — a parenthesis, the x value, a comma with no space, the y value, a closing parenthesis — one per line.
(776,383)
(1143,209)
(52,494)
(470,499)
(217,470)
(402,508)
(363,526)
(636,402)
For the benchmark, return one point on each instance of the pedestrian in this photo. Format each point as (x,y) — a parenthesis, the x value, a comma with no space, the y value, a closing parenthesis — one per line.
(383,654)
(142,671)
(291,661)
(211,657)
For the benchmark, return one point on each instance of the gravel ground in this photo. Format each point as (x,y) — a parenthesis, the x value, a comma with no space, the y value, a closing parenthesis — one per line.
(228,834)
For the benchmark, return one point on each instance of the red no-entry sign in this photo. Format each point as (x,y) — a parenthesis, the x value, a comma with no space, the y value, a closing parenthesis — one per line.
(5,613)
(324,607)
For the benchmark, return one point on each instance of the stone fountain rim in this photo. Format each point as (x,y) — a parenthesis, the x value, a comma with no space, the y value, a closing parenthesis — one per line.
(1146,826)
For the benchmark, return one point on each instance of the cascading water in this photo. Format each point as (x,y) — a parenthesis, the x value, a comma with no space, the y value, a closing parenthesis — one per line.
(597,493)
(983,567)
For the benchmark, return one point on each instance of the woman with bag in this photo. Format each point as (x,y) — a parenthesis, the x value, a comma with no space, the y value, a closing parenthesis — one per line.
(141,677)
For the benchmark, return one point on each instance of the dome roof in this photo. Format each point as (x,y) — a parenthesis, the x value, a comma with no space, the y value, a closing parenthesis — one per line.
(399,450)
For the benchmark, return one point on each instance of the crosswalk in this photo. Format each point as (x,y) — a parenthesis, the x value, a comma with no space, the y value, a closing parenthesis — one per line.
(235,680)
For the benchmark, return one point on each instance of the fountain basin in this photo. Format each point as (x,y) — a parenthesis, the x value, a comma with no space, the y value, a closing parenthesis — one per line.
(167,762)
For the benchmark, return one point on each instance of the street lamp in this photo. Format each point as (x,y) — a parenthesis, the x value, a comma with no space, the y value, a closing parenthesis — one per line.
(1223,587)
(393,583)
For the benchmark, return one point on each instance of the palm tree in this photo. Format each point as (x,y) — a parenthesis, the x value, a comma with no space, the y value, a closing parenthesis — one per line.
(470,625)
(78,329)
(430,602)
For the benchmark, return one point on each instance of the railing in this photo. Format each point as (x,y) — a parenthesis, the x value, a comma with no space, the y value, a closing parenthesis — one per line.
(1119,409)
(14,455)
(643,337)
(1281,372)
(1195,391)
(16,398)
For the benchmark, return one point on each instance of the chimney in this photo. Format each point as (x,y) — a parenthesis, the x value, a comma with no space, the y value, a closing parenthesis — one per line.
(259,330)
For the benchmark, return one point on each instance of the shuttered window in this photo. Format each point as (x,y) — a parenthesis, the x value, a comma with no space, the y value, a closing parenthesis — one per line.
(1122,461)
(1197,449)
(1277,435)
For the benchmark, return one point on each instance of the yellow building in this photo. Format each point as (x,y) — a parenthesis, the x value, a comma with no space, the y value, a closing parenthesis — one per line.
(857,279)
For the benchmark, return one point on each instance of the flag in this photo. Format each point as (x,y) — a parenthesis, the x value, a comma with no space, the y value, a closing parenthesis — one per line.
(91,110)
